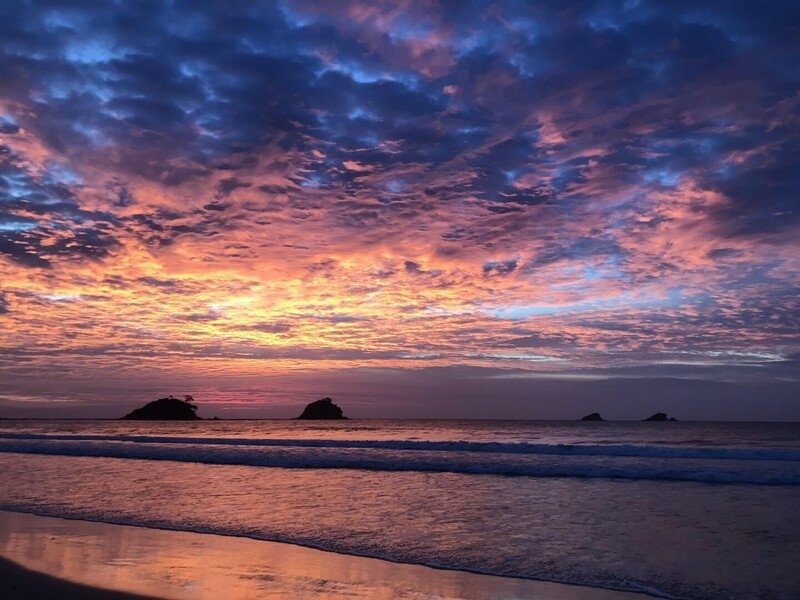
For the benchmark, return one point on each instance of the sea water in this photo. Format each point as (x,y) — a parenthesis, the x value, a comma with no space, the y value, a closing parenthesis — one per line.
(677,510)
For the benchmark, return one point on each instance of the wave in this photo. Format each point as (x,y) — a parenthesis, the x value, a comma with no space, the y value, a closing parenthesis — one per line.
(598,582)
(627,450)
(390,459)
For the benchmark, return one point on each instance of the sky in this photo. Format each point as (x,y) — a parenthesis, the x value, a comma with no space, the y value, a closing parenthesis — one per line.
(421,209)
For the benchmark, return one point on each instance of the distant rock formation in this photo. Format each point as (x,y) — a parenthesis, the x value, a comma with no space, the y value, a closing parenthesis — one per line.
(166,409)
(592,417)
(660,417)
(322,409)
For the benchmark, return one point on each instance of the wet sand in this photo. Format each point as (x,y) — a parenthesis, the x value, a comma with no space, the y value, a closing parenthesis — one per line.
(19,583)
(44,557)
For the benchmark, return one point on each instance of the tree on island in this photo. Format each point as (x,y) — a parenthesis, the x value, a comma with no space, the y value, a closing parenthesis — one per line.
(166,409)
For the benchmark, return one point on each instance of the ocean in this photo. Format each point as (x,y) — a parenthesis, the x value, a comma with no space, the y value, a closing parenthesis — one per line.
(675,510)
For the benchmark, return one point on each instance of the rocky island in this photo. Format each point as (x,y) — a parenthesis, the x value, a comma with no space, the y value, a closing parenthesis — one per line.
(660,417)
(166,409)
(322,409)
(592,417)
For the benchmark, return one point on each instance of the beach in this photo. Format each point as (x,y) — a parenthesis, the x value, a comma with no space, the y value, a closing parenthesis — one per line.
(400,300)
(20,583)
(448,509)
(45,557)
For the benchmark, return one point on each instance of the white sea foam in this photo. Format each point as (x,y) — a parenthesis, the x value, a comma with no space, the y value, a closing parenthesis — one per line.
(660,451)
(596,504)
(445,457)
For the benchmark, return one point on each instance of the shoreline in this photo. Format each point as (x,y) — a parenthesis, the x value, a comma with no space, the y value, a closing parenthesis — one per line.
(144,562)
(505,420)
(20,583)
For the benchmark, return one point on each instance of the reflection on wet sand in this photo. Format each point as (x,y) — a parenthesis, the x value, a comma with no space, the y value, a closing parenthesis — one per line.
(172,564)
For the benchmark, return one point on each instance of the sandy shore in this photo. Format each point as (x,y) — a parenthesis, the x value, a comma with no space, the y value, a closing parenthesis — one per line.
(45,558)
(19,583)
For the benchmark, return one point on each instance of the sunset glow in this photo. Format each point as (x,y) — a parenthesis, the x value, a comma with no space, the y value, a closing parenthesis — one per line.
(378,200)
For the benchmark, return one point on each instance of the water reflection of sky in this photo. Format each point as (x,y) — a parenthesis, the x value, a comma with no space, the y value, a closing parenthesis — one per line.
(169,564)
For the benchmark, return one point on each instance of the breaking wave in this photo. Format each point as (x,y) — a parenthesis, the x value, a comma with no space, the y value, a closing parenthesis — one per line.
(711,465)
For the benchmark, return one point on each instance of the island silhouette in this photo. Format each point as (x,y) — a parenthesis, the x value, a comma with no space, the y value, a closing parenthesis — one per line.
(660,416)
(593,417)
(166,409)
(322,409)
(177,409)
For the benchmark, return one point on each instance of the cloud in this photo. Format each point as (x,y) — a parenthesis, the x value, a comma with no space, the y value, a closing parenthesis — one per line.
(501,267)
(297,184)
(8,127)
(271,327)
(226,186)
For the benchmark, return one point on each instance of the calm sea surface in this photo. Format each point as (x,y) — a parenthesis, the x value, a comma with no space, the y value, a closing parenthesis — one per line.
(686,510)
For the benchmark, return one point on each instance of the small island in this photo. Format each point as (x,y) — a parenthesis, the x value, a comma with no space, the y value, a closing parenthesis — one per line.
(166,409)
(592,417)
(322,409)
(661,417)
